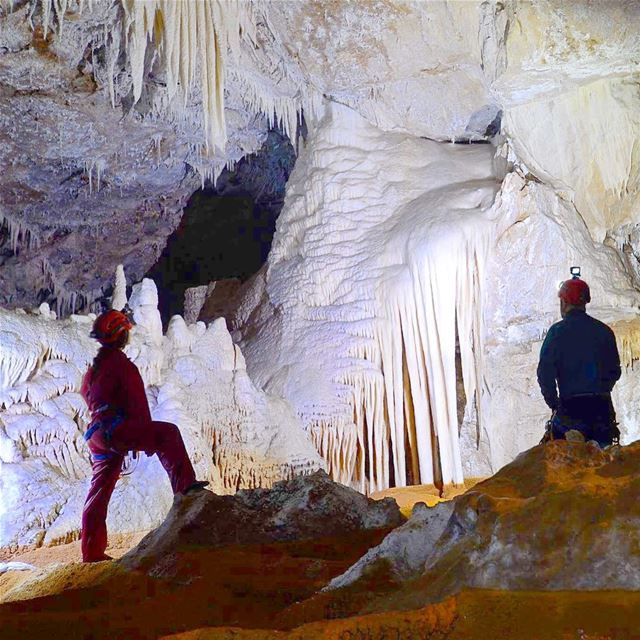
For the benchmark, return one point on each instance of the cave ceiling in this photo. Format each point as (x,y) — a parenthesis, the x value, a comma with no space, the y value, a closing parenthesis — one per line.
(92,178)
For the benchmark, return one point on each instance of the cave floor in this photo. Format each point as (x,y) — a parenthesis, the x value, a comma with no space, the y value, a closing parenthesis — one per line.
(473,615)
(269,591)
(248,585)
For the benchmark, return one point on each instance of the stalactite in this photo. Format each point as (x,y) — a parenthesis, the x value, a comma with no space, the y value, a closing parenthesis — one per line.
(627,334)
(283,112)
(57,8)
(20,234)
(99,165)
(67,302)
(189,35)
(191,41)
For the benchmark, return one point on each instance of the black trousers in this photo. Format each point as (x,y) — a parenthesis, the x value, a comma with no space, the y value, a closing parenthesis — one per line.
(593,415)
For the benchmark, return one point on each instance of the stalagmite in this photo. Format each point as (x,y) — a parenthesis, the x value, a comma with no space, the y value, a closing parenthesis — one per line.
(119,298)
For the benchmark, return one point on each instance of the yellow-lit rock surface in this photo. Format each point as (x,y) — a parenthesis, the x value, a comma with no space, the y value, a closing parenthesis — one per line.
(406,497)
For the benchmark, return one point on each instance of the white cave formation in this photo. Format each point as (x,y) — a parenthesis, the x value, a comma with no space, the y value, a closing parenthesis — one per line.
(237,436)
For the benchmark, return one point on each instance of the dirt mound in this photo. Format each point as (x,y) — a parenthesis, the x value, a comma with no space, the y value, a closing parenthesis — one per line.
(303,508)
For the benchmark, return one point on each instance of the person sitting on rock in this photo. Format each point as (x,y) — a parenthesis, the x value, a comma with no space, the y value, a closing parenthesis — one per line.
(580,354)
(121,422)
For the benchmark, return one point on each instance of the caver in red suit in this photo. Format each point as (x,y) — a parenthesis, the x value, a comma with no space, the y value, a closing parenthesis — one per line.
(121,422)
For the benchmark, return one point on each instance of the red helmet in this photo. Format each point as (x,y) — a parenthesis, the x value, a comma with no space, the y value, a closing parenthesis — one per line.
(109,326)
(575,292)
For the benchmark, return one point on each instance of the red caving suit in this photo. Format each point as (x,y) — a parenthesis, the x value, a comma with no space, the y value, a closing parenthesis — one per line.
(115,395)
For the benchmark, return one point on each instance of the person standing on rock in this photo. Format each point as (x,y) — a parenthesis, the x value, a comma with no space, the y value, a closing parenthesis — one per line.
(121,422)
(579,365)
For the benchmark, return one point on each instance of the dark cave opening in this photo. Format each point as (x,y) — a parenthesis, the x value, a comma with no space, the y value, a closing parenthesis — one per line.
(226,230)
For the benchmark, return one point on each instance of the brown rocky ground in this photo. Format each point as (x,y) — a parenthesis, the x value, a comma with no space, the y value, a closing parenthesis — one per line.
(246,585)
(472,615)
(216,560)
(555,533)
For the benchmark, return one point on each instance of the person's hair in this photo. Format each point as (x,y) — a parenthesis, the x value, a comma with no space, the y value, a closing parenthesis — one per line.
(105,349)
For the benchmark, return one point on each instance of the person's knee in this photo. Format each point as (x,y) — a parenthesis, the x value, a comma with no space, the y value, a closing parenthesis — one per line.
(166,428)
(173,428)
(167,433)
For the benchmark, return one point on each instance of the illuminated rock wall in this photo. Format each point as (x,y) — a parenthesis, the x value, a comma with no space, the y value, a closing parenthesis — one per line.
(393,252)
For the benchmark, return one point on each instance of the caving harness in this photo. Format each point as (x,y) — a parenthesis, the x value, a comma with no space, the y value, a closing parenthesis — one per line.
(108,425)
(565,423)
(548,430)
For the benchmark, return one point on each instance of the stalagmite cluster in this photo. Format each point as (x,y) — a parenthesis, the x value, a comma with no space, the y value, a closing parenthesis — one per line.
(238,437)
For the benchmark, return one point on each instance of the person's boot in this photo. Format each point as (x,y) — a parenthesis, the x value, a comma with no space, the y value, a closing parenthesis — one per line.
(195,487)
(102,558)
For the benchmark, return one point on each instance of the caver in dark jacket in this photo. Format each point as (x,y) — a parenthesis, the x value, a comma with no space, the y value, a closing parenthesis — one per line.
(579,365)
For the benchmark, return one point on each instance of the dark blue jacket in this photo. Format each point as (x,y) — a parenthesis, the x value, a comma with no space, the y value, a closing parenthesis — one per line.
(580,354)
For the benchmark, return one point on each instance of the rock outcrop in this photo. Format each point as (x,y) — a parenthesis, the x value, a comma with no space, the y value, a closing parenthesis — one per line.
(303,508)
(405,550)
(562,516)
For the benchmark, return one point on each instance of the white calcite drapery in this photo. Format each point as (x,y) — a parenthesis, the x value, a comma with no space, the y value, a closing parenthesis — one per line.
(386,238)
(392,253)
